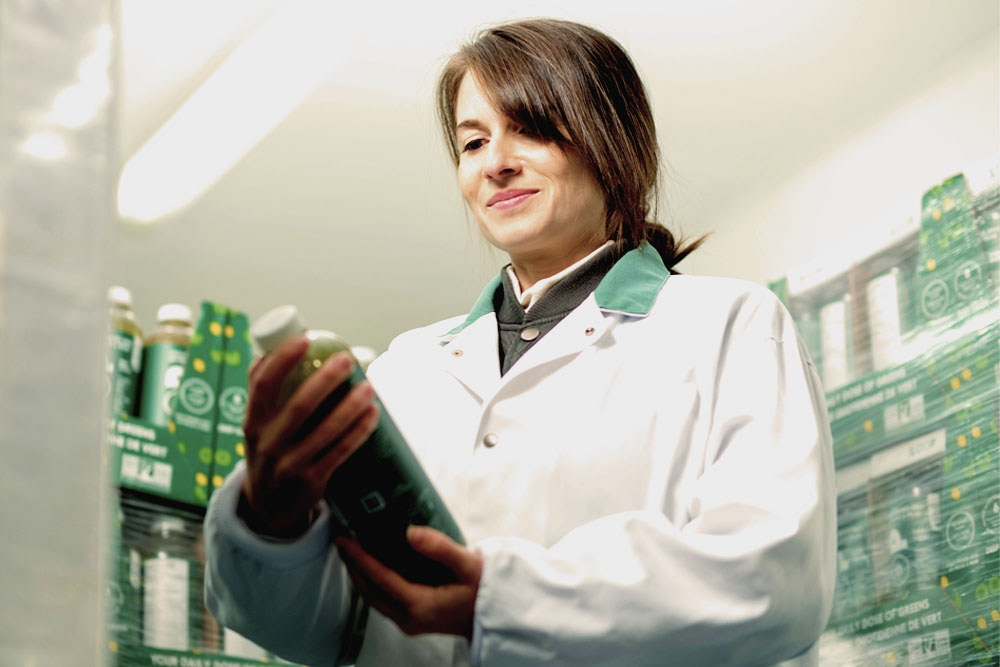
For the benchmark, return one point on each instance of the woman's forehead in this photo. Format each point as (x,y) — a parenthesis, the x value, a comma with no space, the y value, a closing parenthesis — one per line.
(471,102)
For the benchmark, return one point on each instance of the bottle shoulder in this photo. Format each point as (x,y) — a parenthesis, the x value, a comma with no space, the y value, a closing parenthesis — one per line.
(125,322)
(324,344)
(178,334)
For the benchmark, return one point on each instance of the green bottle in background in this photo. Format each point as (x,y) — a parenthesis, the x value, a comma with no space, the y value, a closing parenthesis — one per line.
(164,356)
(381,489)
(124,353)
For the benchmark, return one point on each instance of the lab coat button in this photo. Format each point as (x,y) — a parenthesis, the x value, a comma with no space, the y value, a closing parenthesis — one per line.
(589,331)
(531,333)
(490,439)
(456,353)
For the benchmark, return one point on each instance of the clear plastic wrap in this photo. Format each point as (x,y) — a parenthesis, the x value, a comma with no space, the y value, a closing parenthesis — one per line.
(56,169)
(164,470)
(157,614)
(916,439)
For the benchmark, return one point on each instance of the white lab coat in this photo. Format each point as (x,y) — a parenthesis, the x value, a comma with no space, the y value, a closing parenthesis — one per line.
(660,491)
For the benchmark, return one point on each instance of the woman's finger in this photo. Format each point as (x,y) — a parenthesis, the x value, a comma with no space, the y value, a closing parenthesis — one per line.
(381,587)
(439,547)
(269,374)
(253,369)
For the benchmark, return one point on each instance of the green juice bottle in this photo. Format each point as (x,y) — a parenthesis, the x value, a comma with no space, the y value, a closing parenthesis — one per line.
(381,489)
(124,353)
(164,356)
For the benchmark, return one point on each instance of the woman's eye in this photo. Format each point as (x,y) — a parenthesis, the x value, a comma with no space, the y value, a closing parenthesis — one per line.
(472,145)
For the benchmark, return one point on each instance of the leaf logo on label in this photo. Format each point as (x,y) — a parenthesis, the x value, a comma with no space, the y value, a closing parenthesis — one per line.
(233,404)
(968,279)
(935,299)
(196,396)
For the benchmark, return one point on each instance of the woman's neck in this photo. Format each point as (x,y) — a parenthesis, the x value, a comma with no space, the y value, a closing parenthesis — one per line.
(529,270)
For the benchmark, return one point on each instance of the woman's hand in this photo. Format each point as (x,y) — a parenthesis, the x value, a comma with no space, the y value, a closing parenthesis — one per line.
(287,471)
(415,608)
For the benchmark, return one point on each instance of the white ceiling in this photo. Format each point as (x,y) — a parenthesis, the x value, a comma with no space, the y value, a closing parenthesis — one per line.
(349,209)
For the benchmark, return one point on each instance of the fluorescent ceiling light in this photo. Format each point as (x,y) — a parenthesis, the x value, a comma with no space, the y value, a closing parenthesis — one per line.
(44,146)
(272,71)
(80,102)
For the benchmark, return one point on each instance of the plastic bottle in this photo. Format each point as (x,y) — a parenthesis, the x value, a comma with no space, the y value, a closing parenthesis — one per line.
(167,574)
(164,356)
(884,319)
(124,353)
(380,489)
(123,585)
(835,342)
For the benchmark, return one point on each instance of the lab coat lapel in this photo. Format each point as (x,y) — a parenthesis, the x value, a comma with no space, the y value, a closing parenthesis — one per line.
(472,356)
(583,327)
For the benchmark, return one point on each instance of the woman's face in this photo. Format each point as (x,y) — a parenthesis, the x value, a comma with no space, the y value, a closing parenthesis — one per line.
(530,198)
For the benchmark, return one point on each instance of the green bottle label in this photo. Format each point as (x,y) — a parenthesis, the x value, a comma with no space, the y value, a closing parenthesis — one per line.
(124,356)
(162,369)
(381,490)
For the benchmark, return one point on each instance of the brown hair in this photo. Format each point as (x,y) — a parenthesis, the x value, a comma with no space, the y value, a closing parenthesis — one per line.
(574,85)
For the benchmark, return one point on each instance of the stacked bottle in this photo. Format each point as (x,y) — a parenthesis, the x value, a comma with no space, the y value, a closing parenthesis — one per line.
(124,353)
(164,355)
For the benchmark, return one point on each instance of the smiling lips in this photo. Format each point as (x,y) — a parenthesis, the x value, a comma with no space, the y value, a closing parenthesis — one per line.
(509,198)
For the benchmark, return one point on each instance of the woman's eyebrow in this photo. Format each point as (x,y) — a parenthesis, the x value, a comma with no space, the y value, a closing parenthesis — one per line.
(471,124)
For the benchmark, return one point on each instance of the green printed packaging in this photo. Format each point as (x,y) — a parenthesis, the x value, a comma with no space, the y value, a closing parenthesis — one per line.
(229,440)
(918,579)
(193,420)
(855,588)
(174,460)
(958,376)
(952,279)
(986,211)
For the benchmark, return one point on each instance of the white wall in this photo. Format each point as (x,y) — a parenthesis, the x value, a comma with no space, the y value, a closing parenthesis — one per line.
(839,205)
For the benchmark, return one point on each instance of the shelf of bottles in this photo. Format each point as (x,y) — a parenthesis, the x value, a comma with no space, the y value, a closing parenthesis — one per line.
(906,341)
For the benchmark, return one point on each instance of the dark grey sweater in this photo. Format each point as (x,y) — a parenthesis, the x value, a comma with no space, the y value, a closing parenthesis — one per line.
(519,330)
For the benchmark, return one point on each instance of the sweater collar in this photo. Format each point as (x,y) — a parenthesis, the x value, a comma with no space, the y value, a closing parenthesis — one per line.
(629,288)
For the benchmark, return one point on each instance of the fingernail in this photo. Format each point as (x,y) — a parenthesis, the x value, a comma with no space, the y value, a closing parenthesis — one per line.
(415,533)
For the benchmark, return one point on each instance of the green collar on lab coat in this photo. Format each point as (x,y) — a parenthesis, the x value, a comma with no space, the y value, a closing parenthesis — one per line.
(630,287)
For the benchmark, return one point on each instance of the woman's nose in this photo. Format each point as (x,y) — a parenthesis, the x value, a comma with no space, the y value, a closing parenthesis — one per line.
(501,159)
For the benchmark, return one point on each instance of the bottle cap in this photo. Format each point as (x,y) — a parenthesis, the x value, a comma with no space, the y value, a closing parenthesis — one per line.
(276,326)
(174,312)
(119,296)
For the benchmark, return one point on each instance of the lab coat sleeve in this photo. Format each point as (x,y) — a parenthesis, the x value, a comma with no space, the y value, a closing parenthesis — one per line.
(747,578)
(291,598)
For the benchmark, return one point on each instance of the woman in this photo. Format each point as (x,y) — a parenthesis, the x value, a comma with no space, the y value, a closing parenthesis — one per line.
(640,461)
